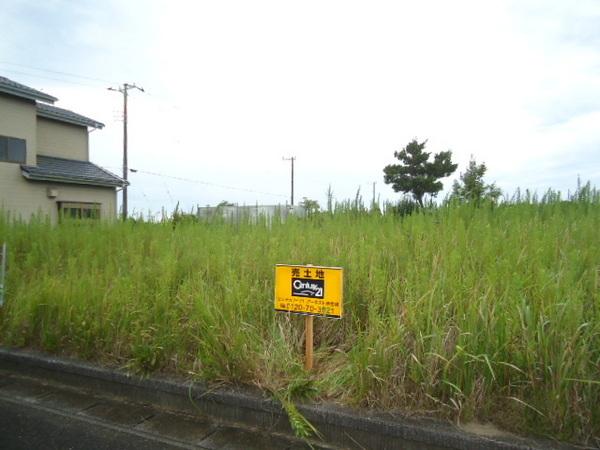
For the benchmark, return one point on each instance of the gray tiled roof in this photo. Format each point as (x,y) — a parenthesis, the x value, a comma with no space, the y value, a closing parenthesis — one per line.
(20,90)
(64,115)
(63,170)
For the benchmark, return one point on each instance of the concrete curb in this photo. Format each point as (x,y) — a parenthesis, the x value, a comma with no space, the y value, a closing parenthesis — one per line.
(339,426)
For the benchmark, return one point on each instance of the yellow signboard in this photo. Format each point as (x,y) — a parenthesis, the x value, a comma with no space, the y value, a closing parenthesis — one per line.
(312,290)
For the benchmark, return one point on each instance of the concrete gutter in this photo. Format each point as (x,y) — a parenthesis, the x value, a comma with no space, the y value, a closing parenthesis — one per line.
(341,427)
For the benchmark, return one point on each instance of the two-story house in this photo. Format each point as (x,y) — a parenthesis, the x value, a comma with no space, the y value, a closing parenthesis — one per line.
(44,159)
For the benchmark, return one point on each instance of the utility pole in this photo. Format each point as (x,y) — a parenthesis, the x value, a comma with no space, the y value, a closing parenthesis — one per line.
(292,159)
(374,183)
(123,90)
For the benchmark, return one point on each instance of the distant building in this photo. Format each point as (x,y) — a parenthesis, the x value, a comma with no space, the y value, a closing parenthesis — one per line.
(44,159)
(236,213)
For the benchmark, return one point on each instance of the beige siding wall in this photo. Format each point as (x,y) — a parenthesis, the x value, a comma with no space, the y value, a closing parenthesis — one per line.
(24,198)
(62,140)
(18,119)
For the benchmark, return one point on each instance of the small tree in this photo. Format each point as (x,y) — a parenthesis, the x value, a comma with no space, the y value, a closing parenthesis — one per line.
(417,175)
(311,206)
(472,187)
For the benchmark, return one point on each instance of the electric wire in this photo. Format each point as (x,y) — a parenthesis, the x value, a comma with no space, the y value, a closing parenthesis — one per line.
(162,102)
(72,75)
(206,183)
(50,78)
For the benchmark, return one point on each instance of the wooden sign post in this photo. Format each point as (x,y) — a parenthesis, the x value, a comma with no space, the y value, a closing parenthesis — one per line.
(308,332)
(310,291)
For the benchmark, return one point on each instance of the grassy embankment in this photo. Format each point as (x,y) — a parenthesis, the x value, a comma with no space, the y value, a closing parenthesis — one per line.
(489,313)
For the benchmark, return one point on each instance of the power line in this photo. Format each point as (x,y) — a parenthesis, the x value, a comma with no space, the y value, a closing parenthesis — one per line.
(206,183)
(49,78)
(165,102)
(73,75)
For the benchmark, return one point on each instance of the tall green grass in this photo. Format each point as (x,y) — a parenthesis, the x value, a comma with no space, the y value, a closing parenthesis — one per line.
(467,313)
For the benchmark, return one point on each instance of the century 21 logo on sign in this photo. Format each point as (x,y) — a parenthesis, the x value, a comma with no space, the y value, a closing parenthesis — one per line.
(302,287)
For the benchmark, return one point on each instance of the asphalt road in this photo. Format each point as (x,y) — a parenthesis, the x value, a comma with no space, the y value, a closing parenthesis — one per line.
(36,414)
(29,427)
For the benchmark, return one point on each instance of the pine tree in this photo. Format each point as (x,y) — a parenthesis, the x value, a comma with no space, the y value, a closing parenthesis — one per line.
(472,187)
(417,175)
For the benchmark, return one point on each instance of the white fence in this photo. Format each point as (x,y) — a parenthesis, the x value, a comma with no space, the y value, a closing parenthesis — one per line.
(250,214)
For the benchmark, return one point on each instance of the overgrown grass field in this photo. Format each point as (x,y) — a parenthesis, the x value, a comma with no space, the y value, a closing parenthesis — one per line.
(487,313)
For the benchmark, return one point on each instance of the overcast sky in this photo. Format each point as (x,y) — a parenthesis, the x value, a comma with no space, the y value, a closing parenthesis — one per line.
(234,86)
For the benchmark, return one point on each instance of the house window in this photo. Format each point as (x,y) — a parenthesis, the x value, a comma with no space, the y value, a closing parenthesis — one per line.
(12,150)
(72,210)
